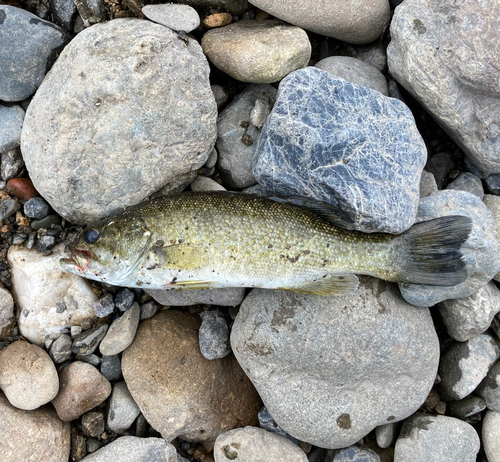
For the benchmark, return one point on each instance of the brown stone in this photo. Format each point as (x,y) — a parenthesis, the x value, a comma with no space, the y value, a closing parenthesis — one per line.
(22,188)
(32,436)
(81,388)
(217,20)
(181,393)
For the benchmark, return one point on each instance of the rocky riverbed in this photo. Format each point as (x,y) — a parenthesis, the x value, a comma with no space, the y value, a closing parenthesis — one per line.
(387,110)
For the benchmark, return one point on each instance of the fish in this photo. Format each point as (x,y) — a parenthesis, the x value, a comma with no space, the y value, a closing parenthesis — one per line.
(201,240)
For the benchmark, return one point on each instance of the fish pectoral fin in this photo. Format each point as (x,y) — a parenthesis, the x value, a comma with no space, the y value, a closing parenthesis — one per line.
(334,284)
(178,256)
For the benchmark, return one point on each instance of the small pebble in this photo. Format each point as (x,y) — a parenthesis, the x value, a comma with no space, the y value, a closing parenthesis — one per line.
(104,306)
(61,349)
(355,454)
(93,423)
(176,17)
(123,410)
(468,182)
(47,222)
(493,183)
(466,407)
(267,423)
(491,436)
(124,299)
(121,332)
(22,188)
(8,208)
(220,98)
(489,388)
(91,359)
(88,341)
(142,426)
(75,330)
(214,335)
(111,367)
(217,20)
(93,445)
(78,448)
(148,310)
(11,164)
(36,207)
(386,435)
(45,243)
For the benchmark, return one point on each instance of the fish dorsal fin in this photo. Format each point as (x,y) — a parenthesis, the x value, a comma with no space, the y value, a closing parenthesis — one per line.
(322,210)
(177,256)
(335,284)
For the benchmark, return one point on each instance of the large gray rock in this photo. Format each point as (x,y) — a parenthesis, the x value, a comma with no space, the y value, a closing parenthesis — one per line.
(491,436)
(331,369)
(149,119)
(237,140)
(481,252)
(427,438)
(29,46)
(489,388)
(359,21)
(11,123)
(257,51)
(346,145)
(442,53)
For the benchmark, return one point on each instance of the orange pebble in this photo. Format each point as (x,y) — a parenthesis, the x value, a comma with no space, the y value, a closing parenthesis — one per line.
(22,188)
(217,20)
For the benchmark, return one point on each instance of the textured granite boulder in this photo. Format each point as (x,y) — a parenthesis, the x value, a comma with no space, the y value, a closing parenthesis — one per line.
(331,369)
(176,17)
(358,21)
(470,316)
(481,252)
(179,392)
(257,51)
(442,53)
(29,47)
(127,110)
(491,436)
(344,144)
(11,123)
(489,388)
(231,6)
(428,438)
(237,137)
(32,436)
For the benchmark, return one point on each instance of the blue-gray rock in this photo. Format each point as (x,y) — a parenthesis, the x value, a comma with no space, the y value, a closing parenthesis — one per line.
(468,182)
(331,369)
(355,71)
(489,388)
(121,333)
(124,299)
(346,145)
(61,349)
(11,123)
(427,438)
(493,183)
(111,367)
(466,364)
(214,335)
(470,316)
(268,423)
(466,407)
(148,310)
(221,297)
(48,222)
(428,184)
(93,423)
(481,252)
(36,207)
(491,436)
(30,45)
(374,54)
(176,17)
(104,306)
(88,341)
(8,207)
(89,358)
(44,243)
(123,410)
(11,164)
(440,165)
(237,138)
(63,12)
(355,454)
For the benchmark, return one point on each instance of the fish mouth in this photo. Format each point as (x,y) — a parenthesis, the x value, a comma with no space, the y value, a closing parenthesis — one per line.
(78,263)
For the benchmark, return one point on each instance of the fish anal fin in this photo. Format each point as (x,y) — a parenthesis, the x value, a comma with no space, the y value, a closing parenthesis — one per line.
(331,284)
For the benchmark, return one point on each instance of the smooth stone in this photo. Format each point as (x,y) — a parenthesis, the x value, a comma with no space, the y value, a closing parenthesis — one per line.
(133,449)
(47,222)
(129,125)
(374,54)
(355,454)
(92,359)
(7,315)
(470,316)
(491,436)
(386,435)
(357,22)
(28,376)
(176,17)
(93,423)
(266,422)
(11,124)
(365,157)
(8,208)
(104,306)
(88,341)
(29,47)
(202,183)
(81,388)
(111,367)
(63,12)
(44,243)
(167,376)
(432,56)
(466,407)
(122,332)
(489,388)
(38,285)
(37,208)
(220,297)
(214,335)
(355,71)
(122,410)
(93,445)
(466,364)
(428,184)
(217,20)
(257,51)
(61,349)
(427,438)
(481,252)
(32,436)
(468,182)
(252,444)
(236,140)
(148,310)
(11,164)
(380,364)
(124,299)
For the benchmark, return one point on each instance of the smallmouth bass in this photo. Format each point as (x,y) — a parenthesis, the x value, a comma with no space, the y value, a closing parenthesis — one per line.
(219,239)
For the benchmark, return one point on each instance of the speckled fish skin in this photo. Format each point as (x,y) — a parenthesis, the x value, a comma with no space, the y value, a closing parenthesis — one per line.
(219,239)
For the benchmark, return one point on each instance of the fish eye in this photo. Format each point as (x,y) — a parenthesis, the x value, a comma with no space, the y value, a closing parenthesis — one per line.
(91,236)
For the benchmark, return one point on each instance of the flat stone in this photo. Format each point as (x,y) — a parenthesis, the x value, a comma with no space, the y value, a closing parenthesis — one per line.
(427,438)
(29,47)
(252,444)
(7,316)
(466,407)
(491,436)
(257,51)
(36,207)
(220,297)
(32,435)
(470,316)
(111,367)
(176,17)
(344,144)
(332,368)
(468,182)
(232,6)
(466,364)
(12,164)
(28,376)
(214,335)
(11,124)
(104,306)
(442,54)
(167,376)
(202,183)
(88,341)
(93,423)
(481,252)
(123,410)
(218,20)
(355,71)
(81,388)
(165,133)
(353,22)
(39,285)
(237,138)
(489,388)
(61,349)
(148,310)
(122,332)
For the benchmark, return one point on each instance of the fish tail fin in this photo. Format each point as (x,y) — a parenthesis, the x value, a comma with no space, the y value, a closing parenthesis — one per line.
(429,252)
